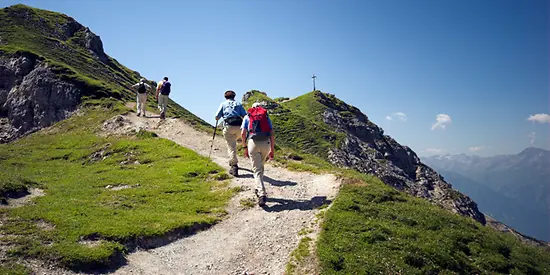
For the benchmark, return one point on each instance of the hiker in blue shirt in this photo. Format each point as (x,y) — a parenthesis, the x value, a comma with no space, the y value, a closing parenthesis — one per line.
(232,113)
(258,141)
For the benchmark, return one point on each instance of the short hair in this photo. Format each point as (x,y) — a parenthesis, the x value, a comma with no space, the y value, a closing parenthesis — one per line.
(166,78)
(229,94)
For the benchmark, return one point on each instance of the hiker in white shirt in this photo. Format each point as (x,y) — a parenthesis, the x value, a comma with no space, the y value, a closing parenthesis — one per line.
(142,89)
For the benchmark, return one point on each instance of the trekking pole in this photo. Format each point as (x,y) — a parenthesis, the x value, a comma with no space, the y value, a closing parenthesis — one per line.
(213,137)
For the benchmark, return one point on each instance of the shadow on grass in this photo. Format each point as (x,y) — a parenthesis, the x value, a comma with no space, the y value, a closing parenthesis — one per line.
(286,204)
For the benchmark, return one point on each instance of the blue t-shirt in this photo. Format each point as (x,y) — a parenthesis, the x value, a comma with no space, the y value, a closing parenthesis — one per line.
(230,108)
(246,120)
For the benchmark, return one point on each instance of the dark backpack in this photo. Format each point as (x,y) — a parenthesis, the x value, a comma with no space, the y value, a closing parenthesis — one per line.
(141,88)
(165,90)
(234,121)
(258,125)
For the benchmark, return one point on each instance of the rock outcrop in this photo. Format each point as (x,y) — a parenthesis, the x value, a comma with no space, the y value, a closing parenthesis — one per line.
(368,150)
(31,96)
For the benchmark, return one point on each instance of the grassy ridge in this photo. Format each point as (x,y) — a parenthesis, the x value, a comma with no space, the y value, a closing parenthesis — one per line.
(297,131)
(164,188)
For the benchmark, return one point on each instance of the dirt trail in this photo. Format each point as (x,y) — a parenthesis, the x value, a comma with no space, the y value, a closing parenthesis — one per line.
(249,240)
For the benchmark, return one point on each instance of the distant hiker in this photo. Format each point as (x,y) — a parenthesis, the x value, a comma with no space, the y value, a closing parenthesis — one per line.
(232,113)
(258,130)
(142,89)
(163,90)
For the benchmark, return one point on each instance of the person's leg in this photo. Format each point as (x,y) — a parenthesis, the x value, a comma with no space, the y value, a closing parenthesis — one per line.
(163,101)
(231,143)
(143,103)
(234,134)
(138,106)
(258,151)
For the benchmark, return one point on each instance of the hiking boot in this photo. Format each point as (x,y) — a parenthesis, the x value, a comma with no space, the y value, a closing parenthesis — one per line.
(138,114)
(262,200)
(234,170)
(162,115)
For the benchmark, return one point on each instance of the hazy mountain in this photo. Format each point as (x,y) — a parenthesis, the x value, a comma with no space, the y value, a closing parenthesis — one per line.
(513,188)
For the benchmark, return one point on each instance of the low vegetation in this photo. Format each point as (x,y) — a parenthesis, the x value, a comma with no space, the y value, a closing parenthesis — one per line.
(298,256)
(372,228)
(104,196)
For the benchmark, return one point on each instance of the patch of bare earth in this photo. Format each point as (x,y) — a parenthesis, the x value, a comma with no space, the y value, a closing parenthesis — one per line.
(23,200)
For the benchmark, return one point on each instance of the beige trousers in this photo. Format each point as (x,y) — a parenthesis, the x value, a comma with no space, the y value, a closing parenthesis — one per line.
(141,100)
(163,101)
(231,134)
(259,151)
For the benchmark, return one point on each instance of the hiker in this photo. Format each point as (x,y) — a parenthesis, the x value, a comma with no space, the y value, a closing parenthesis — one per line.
(142,89)
(163,90)
(232,113)
(259,144)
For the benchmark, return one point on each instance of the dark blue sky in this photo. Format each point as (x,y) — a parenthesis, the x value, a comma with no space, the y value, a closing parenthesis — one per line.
(483,65)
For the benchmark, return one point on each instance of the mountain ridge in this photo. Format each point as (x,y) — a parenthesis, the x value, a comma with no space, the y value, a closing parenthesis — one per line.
(371,226)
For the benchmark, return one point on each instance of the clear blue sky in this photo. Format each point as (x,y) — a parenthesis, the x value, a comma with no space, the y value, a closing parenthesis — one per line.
(482,63)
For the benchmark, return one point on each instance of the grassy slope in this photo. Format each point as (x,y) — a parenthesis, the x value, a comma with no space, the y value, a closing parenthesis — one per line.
(172,190)
(372,228)
(28,30)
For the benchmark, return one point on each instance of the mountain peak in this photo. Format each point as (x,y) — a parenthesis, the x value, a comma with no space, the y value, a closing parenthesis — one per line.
(533,150)
(23,24)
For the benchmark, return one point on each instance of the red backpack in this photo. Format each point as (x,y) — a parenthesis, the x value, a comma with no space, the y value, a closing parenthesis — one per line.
(258,125)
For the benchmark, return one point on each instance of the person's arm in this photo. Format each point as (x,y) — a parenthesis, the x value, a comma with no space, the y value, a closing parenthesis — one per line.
(272,139)
(135,85)
(157,94)
(219,114)
(242,111)
(244,132)
(159,85)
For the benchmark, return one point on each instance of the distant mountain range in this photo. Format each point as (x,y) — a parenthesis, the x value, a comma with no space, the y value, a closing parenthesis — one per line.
(514,189)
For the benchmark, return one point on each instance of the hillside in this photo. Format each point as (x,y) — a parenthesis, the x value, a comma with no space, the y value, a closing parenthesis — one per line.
(371,227)
(89,187)
(50,64)
(320,124)
(514,189)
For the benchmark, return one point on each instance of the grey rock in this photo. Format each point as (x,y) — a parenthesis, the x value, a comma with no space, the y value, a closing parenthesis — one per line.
(32,96)
(367,150)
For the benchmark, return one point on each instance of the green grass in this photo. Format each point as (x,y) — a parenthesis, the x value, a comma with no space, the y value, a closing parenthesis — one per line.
(298,256)
(372,229)
(248,203)
(14,269)
(172,189)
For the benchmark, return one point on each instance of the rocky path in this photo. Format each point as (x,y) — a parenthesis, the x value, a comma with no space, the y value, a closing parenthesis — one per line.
(250,240)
